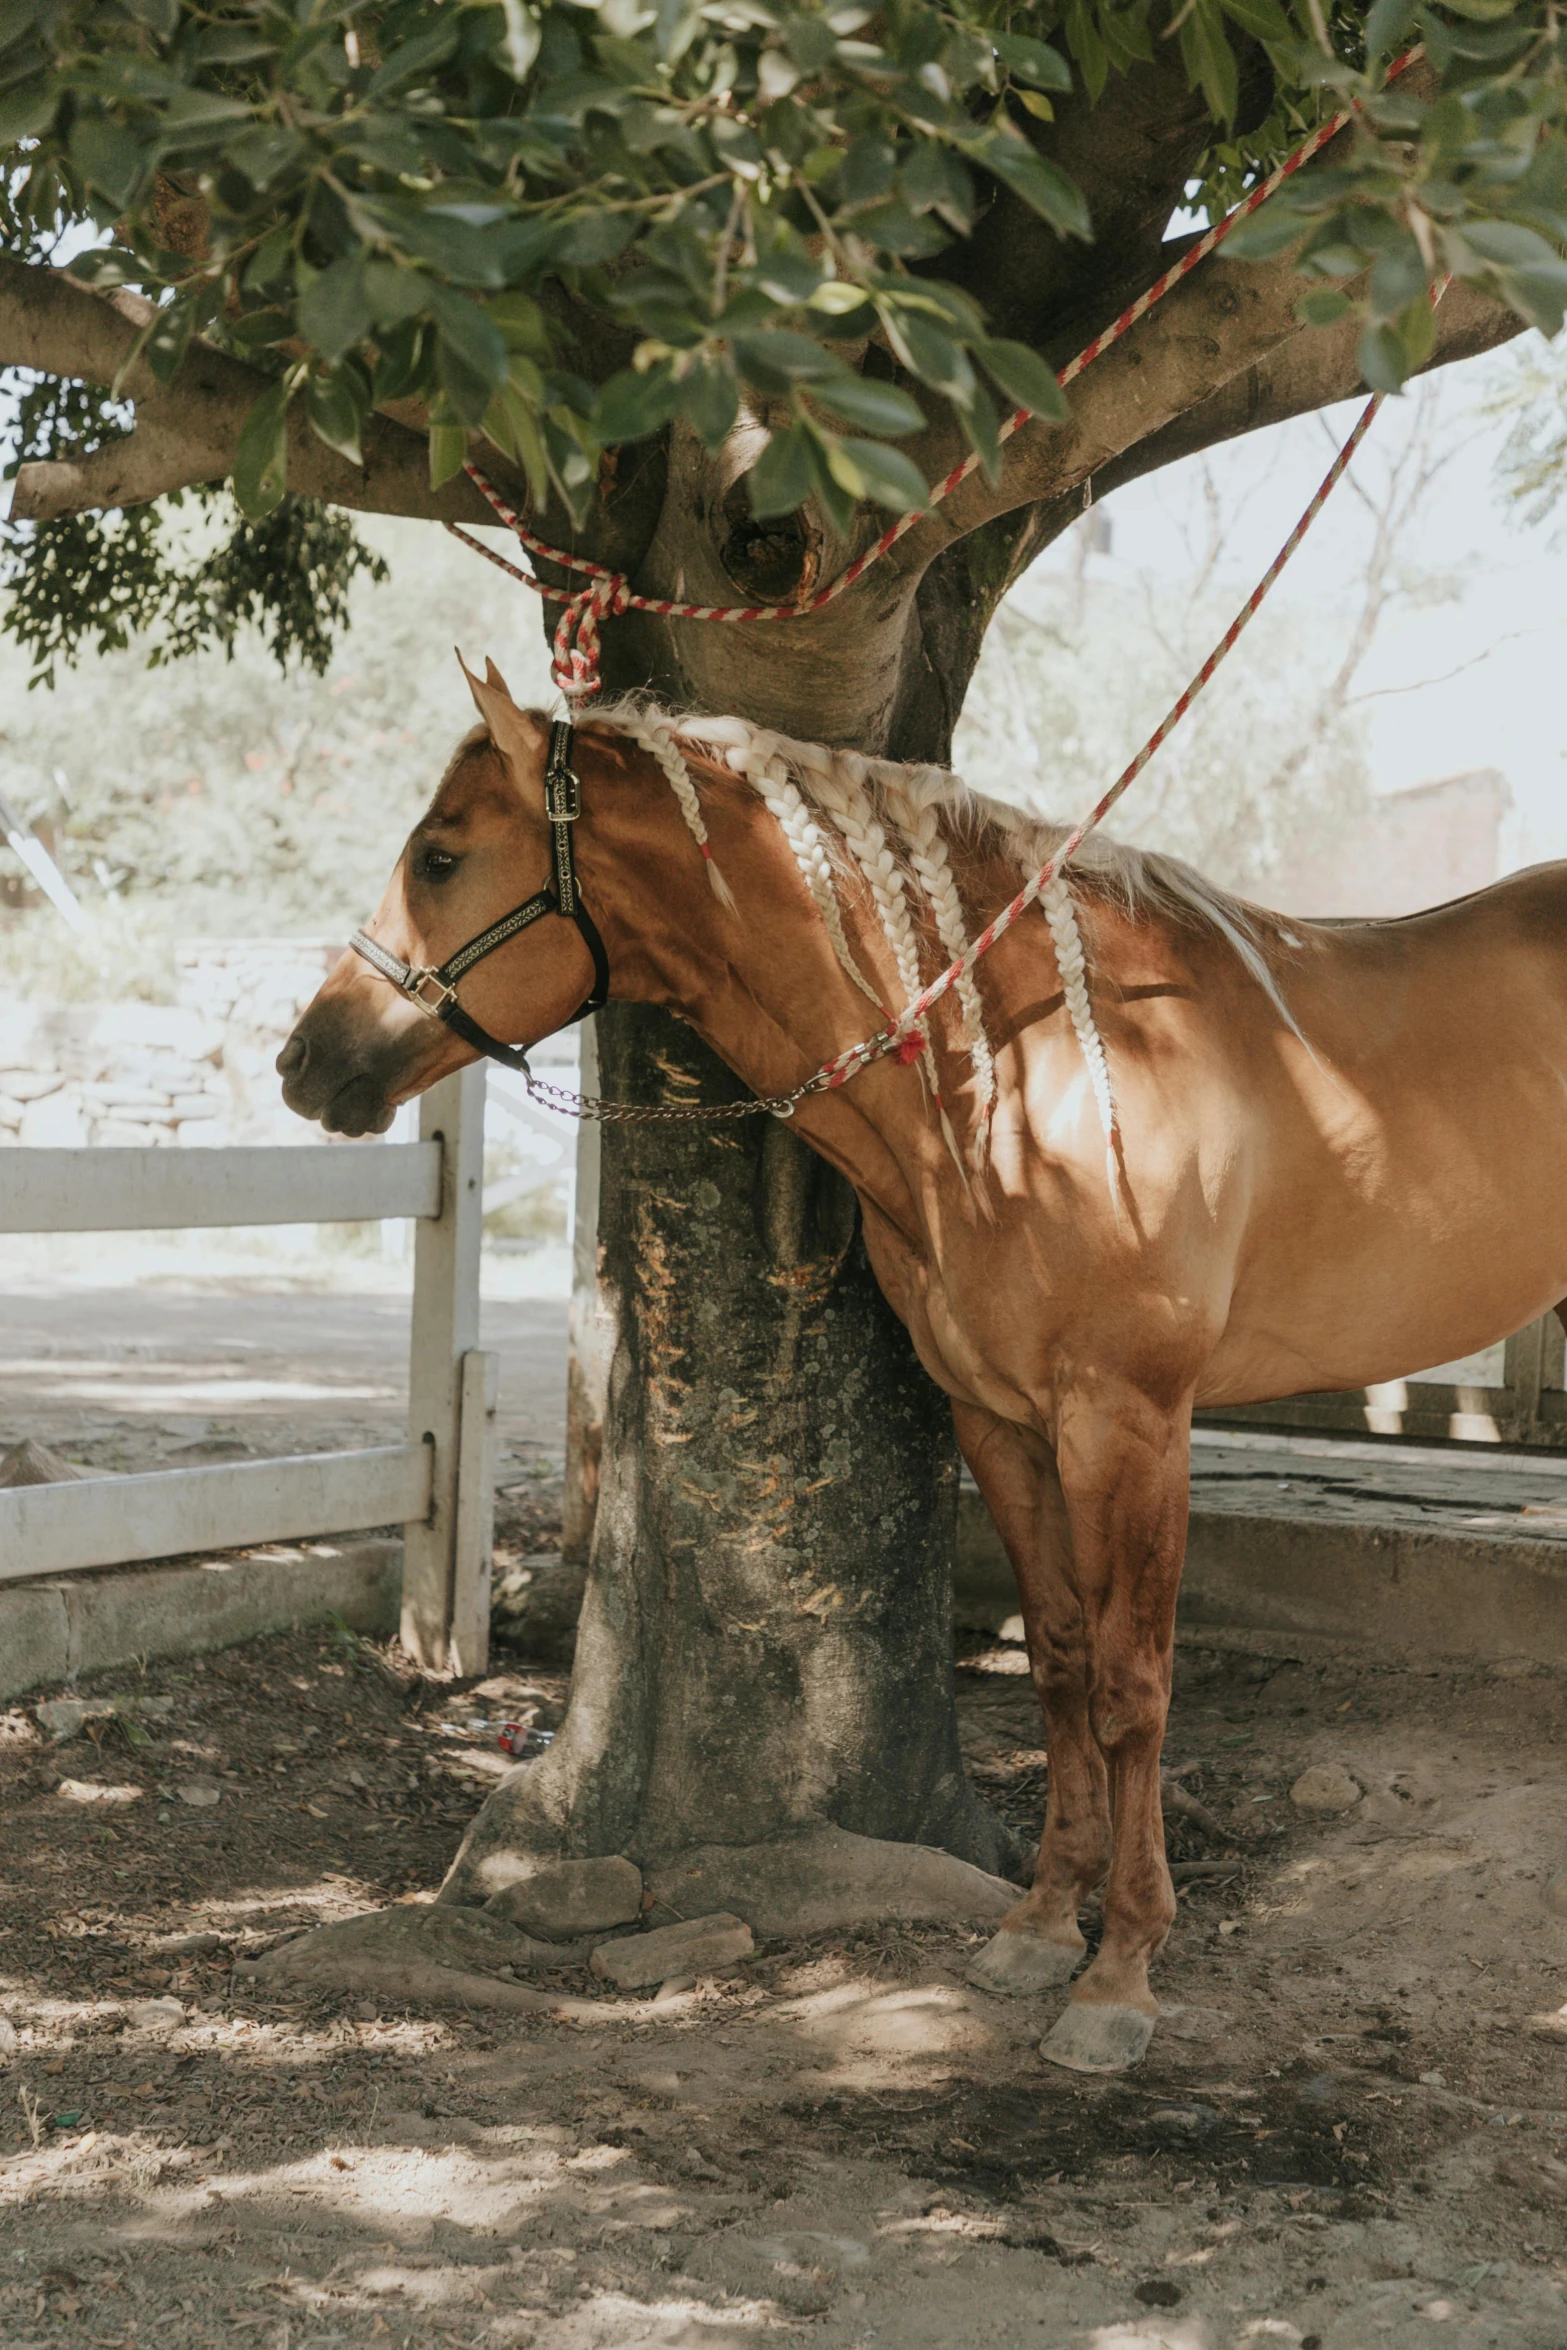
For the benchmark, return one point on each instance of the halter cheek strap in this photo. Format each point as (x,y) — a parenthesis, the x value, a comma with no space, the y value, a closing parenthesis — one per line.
(433,987)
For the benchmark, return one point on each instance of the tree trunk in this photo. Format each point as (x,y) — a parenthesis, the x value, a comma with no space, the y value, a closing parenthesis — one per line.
(766,1639)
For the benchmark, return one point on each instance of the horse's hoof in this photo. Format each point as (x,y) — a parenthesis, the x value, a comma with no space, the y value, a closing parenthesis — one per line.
(1019,1962)
(1092,2036)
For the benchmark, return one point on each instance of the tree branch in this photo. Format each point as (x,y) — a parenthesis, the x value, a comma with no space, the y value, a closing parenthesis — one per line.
(187,431)
(1310,371)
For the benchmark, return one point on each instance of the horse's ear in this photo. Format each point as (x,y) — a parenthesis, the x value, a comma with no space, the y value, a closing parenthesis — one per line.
(520,736)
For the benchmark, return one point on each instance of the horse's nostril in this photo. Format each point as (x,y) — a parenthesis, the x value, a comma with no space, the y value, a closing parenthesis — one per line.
(293,1057)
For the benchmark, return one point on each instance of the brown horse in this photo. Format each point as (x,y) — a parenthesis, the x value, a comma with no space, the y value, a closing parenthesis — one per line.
(1336,1155)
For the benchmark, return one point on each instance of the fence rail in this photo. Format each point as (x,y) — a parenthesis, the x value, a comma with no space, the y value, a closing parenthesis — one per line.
(115,1521)
(438,1485)
(115,1190)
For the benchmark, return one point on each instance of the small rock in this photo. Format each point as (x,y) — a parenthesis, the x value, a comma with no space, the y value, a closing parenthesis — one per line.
(695,1947)
(7,2035)
(1554,1894)
(155,2015)
(566,1898)
(1326,1789)
(66,1717)
(28,1463)
(200,1792)
(1158,2293)
(95,1791)
(1434,2080)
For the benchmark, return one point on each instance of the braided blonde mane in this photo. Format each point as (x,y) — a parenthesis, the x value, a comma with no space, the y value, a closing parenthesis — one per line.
(845,815)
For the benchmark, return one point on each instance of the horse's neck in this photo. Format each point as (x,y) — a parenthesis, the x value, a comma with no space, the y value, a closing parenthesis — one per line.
(764,986)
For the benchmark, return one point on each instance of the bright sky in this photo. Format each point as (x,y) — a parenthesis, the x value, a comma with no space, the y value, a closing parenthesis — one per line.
(1508,711)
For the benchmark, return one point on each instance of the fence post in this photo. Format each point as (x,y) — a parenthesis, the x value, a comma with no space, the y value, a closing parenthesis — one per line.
(445,1332)
(474,1547)
(589,1336)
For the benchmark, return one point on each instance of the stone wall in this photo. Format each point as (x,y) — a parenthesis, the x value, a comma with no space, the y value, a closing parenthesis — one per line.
(198,1072)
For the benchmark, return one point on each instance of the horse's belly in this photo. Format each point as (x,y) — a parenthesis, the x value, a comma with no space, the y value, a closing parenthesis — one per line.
(1421,1291)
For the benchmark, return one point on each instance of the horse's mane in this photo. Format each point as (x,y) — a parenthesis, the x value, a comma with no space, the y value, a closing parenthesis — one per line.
(886,825)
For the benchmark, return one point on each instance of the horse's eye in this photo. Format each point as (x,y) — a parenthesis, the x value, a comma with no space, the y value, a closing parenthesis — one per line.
(435,865)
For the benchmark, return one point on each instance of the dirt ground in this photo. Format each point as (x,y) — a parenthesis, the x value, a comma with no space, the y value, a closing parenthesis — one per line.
(1351,2130)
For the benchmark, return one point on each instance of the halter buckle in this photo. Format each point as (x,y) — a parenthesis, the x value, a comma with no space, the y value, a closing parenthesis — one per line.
(420,976)
(562,795)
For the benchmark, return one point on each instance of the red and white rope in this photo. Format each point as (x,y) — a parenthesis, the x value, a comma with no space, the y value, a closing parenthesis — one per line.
(609,592)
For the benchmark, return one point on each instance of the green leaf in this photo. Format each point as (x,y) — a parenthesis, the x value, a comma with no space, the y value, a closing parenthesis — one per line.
(511,424)
(448,452)
(27,111)
(165,347)
(710,402)
(1041,184)
(1384,362)
(782,476)
(1388,25)
(1209,59)
(1398,277)
(1323,306)
(471,356)
(1265,20)
(1027,380)
(260,474)
(635,403)
(869,469)
(875,407)
(231,44)
(593,237)
(109,158)
(776,362)
(264,153)
(1417,330)
(106,265)
(333,407)
(925,351)
(416,59)
(1271,230)
(1032,61)
(393,294)
(334,310)
(1507,244)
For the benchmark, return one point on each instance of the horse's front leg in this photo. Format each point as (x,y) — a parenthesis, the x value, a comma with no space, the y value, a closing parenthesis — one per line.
(1124,1463)
(1040,1944)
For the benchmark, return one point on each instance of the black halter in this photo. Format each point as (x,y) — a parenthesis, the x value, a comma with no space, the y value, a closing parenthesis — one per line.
(562,805)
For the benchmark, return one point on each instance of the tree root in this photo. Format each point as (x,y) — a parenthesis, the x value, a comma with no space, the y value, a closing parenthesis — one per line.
(815,1880)
(444,1957)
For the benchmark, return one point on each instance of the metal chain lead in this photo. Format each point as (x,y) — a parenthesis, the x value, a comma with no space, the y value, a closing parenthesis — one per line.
(608,1113)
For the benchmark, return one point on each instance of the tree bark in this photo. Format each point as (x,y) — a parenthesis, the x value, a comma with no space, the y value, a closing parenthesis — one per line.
(766,1637)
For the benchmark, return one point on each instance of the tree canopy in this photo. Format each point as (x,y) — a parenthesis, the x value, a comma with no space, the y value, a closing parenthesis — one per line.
(348,238)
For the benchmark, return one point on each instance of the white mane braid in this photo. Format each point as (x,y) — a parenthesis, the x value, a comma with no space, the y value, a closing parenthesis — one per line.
(843,813)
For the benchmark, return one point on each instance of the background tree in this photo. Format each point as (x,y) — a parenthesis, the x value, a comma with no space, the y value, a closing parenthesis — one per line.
(714,289)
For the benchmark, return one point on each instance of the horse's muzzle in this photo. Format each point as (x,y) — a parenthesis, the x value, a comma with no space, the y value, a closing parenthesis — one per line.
(316,1085)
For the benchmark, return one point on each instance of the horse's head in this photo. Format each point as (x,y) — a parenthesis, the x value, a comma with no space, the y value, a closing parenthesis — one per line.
(363,1044)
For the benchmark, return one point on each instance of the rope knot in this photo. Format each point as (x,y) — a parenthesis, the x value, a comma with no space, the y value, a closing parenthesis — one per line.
(908,1048)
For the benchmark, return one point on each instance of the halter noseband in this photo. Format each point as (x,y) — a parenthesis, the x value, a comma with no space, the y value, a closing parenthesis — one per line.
(562,806)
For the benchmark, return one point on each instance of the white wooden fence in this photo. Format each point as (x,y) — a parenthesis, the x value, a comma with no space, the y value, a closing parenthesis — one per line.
(439,1484)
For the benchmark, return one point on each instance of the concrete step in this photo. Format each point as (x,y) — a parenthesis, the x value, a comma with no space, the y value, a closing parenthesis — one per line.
(1421,1555)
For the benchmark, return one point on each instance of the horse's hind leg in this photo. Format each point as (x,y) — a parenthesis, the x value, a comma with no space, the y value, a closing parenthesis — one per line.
(1039,1943)
(1125,1465)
